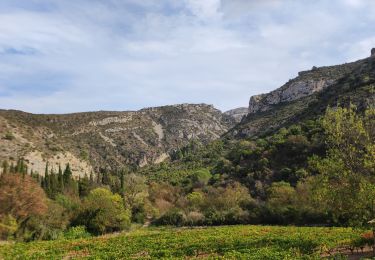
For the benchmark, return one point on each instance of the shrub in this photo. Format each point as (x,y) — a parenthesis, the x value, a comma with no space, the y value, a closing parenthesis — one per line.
(194,218)
(76,232)
(8,227)
(103,212)
(173,217)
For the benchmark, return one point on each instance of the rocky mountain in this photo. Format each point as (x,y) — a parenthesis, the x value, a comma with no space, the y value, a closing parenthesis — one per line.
(308,95)
(92,140)
(237,113)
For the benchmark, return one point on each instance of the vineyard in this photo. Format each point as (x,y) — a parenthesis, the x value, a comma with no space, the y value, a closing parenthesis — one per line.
(250,242)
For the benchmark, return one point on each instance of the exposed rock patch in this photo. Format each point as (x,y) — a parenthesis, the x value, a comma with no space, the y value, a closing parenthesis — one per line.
(237,113)
(37,162)
(306,84)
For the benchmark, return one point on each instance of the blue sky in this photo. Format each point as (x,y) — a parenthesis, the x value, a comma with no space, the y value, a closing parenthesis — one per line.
(59,56)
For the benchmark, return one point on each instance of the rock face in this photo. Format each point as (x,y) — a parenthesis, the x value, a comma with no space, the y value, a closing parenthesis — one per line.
(307,83)
(373,52)
(237,113)
(94,140)
(307,97)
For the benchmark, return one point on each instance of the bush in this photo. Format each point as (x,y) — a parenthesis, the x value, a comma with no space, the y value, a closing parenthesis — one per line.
(8,227)
(76,232)
(173,217)
(194,218)
(103,212)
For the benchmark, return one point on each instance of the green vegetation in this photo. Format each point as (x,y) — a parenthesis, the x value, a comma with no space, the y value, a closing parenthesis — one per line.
(317,172)
(250,242)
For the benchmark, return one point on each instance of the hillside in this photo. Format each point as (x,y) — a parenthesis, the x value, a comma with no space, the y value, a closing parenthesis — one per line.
(308,95)
(89,141)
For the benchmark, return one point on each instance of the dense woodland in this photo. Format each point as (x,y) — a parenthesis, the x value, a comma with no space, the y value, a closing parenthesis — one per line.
(317,172)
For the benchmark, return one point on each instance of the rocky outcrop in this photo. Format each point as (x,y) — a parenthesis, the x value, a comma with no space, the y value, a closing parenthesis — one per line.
(237,113)
(373,52)
(307,83)
(307,97)
(292,91)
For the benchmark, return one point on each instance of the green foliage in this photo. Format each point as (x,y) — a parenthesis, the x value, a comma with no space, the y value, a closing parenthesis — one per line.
(345,184)
(76,232)
(103,212)
(8,227)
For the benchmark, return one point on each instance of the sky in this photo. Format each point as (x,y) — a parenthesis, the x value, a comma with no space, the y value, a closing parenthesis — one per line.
(62,56)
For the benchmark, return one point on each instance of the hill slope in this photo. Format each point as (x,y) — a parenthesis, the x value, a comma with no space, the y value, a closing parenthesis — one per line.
(107,139)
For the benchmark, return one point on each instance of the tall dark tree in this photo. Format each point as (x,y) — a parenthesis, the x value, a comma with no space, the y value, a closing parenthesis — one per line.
(67,175)
(84,186)
(60,179)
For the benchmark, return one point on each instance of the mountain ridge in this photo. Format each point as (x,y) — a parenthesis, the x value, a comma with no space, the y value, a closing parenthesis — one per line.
(92,140)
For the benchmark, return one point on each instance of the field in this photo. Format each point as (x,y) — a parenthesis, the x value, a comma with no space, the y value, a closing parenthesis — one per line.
(227,242)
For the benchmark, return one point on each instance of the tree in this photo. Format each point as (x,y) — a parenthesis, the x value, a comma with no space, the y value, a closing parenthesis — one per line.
(60,179)
(21,198)
(70,185)
(67,175)
(103,212)
(84,186)
(135,193)
(135,189)
(345,186)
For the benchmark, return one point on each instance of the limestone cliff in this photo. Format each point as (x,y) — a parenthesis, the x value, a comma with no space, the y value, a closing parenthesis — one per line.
(305,84)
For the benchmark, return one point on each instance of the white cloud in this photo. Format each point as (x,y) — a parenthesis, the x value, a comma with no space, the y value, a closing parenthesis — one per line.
(120,55)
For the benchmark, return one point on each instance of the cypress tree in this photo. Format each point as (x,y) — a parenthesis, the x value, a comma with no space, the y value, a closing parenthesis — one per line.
(60,179)
(46,169)
(53,183)
(84,186)
(67,175)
